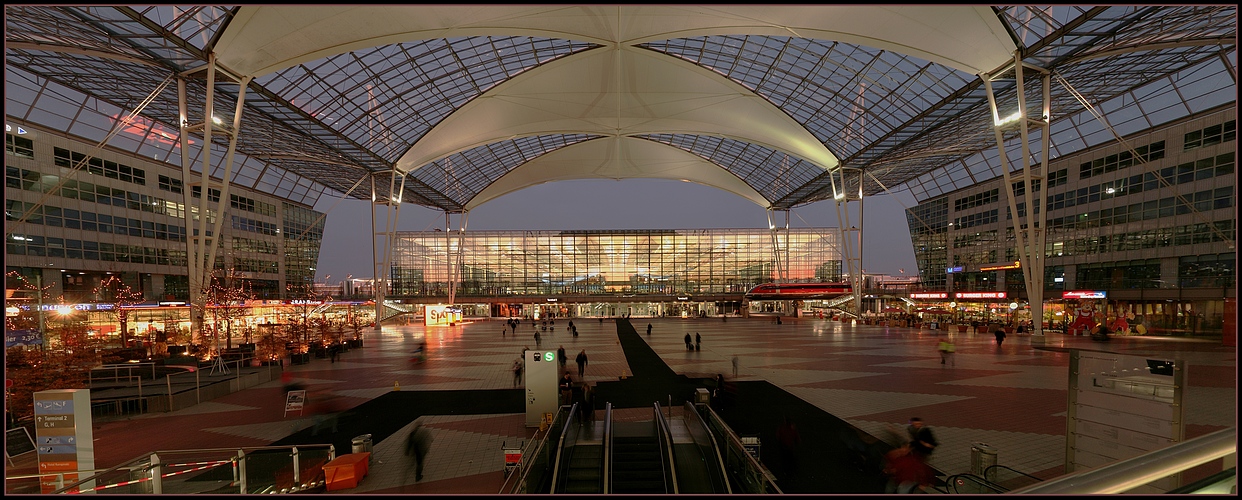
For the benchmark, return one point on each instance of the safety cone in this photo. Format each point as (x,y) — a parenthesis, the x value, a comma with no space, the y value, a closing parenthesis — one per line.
(396,385)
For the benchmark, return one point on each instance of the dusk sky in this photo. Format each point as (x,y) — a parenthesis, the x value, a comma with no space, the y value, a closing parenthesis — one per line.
(625,204)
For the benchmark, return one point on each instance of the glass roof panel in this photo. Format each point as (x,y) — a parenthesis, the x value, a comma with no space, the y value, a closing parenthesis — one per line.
(405,89)
(463,175)
(773,173)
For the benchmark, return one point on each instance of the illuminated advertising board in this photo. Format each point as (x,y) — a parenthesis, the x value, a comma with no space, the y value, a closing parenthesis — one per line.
(1084,294)
(441,315)
(980,295)
(932,295)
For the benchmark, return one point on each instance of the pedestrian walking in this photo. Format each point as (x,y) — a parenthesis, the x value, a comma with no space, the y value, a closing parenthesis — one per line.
(560,357)
(582,362)
(332,352)
(537,338)
(735,361)
(566,386)
(416,445)
(922,441)
(503,331)
(906,471)
(697,340)
(946,349)
(1000,336)
(688,339)
(648,329)
(517,372)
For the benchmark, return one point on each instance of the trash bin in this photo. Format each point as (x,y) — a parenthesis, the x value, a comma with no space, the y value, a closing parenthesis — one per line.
(362,444)
(702,396)
(982,456)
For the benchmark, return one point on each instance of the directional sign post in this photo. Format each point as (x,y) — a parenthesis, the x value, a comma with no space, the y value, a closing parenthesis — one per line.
(63,436)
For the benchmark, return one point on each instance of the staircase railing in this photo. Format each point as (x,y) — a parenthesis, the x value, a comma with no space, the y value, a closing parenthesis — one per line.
(534,461)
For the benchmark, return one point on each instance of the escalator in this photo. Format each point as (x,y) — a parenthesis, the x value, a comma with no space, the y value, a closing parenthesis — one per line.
(637,461)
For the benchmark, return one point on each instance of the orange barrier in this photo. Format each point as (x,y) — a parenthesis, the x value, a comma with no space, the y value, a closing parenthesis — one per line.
(345,471)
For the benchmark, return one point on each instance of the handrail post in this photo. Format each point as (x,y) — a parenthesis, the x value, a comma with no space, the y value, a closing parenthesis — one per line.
(241,468)
(168,380)
(157,485)
(297,471)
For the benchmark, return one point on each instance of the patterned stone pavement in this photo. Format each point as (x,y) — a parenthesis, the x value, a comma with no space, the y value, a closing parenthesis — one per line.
(875,378)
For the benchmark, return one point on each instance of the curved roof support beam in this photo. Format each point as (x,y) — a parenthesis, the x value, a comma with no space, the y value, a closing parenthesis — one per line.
(618,158)
(264,39)
(619,92)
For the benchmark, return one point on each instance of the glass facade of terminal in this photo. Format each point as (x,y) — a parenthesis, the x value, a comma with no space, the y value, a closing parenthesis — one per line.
(610,262)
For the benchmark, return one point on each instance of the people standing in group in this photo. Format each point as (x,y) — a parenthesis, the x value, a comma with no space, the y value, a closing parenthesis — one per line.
(581,359)
(560,357)
(946,349)
(688,339)
(416,445)
(1000,336)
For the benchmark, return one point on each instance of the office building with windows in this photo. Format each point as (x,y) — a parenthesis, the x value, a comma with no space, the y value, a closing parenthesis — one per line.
(76,213)
(1150,221)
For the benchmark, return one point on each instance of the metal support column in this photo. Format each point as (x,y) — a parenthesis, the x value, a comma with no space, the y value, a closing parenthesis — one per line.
(780,251)
(201,244)
(454,262)
(1029,226)
(392,213)
(852,255)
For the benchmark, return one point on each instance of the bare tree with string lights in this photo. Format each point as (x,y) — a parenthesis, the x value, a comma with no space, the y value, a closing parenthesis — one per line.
(118,297)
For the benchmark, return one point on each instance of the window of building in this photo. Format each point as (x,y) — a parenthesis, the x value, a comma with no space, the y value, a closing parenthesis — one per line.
(18,146)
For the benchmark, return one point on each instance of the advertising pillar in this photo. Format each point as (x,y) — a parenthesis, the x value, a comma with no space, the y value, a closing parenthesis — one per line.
(63,436)
(541,380)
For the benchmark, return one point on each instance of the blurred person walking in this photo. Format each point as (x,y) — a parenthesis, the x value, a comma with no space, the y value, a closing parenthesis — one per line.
(416,445)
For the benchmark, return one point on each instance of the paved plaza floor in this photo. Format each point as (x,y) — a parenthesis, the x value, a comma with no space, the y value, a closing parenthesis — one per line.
(875,378)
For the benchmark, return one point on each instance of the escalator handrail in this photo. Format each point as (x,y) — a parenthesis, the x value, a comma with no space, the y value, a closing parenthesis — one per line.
(608,448)
(950,482)
(692,410)
(732,438)
(560,446)
(1011,469)
(666,454)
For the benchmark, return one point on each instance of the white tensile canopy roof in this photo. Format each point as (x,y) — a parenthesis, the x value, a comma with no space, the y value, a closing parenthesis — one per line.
(617,90)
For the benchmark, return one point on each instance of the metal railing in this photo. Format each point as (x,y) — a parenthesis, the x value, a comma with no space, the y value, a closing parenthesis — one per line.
(1126,475)
(751,476)
(250,470)
(665,437)
(129,375)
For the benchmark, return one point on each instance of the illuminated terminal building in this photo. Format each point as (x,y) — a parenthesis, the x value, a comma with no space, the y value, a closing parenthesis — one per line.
(611,272)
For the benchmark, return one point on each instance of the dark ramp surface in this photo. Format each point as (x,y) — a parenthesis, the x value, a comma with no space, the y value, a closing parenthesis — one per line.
(385,415)
(833,456)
